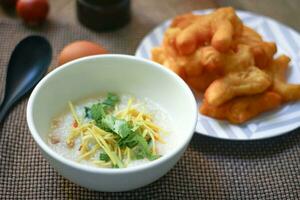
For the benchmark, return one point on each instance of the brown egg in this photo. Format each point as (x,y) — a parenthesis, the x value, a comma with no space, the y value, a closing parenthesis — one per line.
(79,49)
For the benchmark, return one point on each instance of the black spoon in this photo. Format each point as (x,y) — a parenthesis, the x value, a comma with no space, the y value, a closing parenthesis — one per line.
(27,65)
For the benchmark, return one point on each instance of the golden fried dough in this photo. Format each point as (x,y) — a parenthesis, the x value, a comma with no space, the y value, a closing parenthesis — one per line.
(225,26)
(239,60)
(200,83)
(245,108)
(210,58)
(241,109)
(158,55)
(278,69)
(243,83)
(220,27)
(289,92)
(249,36)
(218,112)
(222,38)
(216,54)
(197,33)
(263,52)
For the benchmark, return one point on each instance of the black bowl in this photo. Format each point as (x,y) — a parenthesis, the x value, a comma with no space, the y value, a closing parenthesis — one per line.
(103,15)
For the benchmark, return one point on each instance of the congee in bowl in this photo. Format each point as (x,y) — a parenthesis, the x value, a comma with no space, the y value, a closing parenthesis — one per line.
(112,131)
(112,122)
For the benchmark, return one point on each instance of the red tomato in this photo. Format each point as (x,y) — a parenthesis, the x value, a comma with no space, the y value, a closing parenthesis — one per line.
(33,12)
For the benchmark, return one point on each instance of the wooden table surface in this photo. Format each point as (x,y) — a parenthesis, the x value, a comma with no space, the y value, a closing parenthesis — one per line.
(285,11)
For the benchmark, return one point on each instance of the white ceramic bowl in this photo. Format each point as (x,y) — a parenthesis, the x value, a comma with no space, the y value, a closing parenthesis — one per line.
(118,73)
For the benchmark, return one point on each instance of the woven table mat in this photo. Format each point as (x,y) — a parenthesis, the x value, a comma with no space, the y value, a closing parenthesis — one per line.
(210,168)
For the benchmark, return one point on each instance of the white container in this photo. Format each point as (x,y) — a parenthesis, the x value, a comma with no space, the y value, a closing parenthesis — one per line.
(117,73)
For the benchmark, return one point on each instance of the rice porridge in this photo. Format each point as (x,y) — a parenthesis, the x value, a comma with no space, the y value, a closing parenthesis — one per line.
(113,131)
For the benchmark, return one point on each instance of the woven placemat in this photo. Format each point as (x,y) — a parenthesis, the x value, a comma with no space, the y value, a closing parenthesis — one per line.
(210,169)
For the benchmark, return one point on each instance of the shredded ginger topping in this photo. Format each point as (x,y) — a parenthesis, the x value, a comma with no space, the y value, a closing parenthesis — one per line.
(119,135)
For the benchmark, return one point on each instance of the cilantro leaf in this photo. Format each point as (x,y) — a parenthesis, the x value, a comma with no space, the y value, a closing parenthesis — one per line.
(139,145)
(122,128)
(108,122)
(144,148)
(129,141)
(111,100)
(104,157)
(97,113)
(153,157)
(87,113)
(138,153)
(142,142)
(117,126)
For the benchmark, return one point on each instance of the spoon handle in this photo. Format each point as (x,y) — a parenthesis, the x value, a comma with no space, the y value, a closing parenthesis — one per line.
(3,111)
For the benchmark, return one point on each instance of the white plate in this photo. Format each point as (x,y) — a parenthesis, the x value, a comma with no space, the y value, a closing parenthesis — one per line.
(269,124)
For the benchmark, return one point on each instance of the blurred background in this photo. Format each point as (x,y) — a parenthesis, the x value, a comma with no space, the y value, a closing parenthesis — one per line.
(285,11)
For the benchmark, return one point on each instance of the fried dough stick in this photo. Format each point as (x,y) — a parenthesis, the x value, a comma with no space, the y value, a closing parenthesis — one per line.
(225,26)
(248,82)
(278,68)
(242,109)
(218,28)
(237,61)
(263,52)
(192,36)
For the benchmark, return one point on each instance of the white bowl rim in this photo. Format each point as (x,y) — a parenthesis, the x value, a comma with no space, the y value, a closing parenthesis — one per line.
(46,148)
